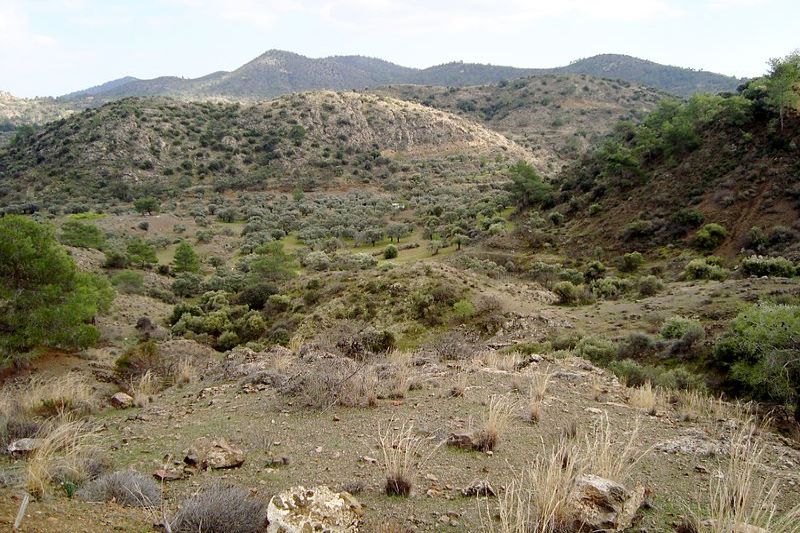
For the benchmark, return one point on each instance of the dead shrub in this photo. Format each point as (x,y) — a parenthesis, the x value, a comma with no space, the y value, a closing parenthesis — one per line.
(221,509)
(488,437)
(126,487)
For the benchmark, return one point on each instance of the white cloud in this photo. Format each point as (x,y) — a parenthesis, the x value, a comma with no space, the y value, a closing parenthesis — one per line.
(15,31)
(729,4)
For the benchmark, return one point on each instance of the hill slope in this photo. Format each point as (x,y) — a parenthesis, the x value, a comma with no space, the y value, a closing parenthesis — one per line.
(313,140)
(278,72)
(714,160)
(556,117)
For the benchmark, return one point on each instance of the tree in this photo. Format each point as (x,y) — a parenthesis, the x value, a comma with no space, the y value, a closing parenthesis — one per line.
(390,252)
(74,233)
(435,245)
(146,205)
(761,351)
(44,299)
(140,253)
(186,259)
(272,263)
(782,84)
(460,239)
(527,187)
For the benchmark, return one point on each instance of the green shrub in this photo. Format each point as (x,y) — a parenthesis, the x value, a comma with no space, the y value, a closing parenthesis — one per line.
(226,341)
(759,349)
(631,262)
(597,350)
(630,372)
(698,269)
(556,218)
(676,327)
(463,310)
(128,281)
(767,266)
(137,360)
(611,288)
(186,259)
(594,270)
(567,292)
(390,252)
(595,209)
(636,346)
(650,285)
(187,285)
(709,236)
(74,233)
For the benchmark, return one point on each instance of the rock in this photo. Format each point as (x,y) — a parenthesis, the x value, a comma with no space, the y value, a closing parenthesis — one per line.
(479,488)
(213,453)
(604,505)
(300,509)
(168,474)
(693,443)
(466,440)
(121,400)
(24,446)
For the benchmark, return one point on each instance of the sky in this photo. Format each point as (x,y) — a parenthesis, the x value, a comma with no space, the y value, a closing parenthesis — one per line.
(52,47)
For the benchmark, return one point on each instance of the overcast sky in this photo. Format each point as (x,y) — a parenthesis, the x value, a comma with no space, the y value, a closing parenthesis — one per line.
(51,47)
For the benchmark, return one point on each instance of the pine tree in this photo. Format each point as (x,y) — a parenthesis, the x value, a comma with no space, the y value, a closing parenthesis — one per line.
(186,259)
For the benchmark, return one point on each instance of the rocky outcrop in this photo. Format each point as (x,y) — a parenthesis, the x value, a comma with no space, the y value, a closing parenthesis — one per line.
(213,453)
(604,505)
(301,510)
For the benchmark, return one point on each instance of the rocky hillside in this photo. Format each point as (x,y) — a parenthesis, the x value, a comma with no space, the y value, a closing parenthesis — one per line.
(312,140)
(714,160)
(556,117)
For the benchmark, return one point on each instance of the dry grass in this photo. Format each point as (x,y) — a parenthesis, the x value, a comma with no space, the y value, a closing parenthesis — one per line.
(607,458)
(459,387)
(533,413)
(538,500)
(143,388)
(497,418)
(518,383)
(644,397)
(184,372)
(69,393)
(399,447)
(539,383)
(126,487)
(694,405)
(507,362)
(61,453)
(221,508)
(738,497)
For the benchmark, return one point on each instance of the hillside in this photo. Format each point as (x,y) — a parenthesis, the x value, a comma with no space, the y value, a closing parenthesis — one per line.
(556,117)
(313,140)
(279,72)
(713,160)
(676,80)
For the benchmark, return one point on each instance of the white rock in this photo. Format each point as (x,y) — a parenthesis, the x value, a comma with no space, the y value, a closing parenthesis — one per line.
(300,509)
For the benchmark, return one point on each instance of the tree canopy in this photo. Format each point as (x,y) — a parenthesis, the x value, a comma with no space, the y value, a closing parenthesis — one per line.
(186,259)
(44,299)
(527,187)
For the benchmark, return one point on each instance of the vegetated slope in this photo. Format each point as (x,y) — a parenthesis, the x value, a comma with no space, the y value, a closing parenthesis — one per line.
(16,112)
(279,72)
(556,117)
(676,80)
(313,140)
(711,160)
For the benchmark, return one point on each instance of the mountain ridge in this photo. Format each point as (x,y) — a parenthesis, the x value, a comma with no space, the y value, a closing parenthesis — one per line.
(277,72)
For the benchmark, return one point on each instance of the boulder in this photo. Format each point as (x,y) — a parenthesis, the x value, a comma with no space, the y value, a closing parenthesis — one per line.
(213,453)
(693,443)
(121,400)
(24,446)
(604,505)
(466,440)
(300,509)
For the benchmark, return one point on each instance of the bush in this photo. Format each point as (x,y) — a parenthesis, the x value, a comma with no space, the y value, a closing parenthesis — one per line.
(463,310)
(256,296)
(650,285)
(636,345)
(126,487)
(611,288)
(767,266)
(698,269)
(759,351)
(221,509)
(631,262)
(709,236)
(187,285)
(567,292)
(138,360)
(676,327)
(597,350)
(74,233)
(128,281)
(631,372)
(390,252)
(595,270)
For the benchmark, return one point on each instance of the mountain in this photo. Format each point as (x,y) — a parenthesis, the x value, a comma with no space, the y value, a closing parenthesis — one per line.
(279,72)
(556,117)
(318,140)
(675,80)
